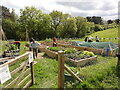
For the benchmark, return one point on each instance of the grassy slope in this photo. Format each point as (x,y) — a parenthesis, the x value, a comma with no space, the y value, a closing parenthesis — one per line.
(109,33)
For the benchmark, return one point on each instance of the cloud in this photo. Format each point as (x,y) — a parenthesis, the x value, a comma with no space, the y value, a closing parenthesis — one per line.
(104,8)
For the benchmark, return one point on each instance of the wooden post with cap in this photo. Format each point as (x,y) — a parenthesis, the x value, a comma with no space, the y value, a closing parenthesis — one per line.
(61,69)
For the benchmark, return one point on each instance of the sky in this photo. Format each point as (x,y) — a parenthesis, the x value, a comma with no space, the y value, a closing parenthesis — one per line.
(107,9)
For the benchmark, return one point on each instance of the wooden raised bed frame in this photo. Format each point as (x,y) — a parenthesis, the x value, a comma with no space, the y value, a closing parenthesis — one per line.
(81,62)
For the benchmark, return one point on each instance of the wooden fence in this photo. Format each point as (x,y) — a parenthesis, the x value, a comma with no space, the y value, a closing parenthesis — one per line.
(61,68)
(22,76)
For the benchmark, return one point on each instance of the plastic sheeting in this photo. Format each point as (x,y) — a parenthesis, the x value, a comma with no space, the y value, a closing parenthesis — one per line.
(98,45)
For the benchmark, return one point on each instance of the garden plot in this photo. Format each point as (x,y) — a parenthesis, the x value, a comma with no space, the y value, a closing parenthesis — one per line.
(81,58)
(78,58)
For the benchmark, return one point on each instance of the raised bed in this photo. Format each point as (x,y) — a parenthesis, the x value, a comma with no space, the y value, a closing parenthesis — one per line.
(81,62)
(51,54)
(96,51)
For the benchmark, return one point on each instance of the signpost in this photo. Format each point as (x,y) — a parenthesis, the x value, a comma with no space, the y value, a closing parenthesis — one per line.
(31,57)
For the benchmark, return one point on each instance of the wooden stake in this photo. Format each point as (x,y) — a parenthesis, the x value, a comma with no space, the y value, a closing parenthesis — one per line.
(32,72)
(60,69)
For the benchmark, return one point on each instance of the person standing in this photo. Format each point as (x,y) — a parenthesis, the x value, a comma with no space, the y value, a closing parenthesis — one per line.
(34,46)
(90,39)
(97,39)
(86,39)
(54,42)
(17,43)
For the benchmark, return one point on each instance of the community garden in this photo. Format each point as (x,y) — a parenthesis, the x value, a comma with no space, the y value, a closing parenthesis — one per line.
(72,63)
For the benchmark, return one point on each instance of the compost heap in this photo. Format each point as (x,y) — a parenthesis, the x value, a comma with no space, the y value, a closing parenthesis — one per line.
(98,45)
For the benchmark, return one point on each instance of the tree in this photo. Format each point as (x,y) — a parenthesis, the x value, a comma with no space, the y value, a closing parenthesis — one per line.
(117,21)
(10,28)
(56,20)
(95,19)
(37,23)
(6,14)
(82,27)
(109,21)
(68,27)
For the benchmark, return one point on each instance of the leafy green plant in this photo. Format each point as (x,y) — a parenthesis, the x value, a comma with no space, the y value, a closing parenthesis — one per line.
(80,55)
(12,47)
(70,50)
(55,48)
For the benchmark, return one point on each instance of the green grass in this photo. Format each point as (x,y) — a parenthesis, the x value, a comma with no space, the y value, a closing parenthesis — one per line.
(99,75)
(108,33)
(46,73)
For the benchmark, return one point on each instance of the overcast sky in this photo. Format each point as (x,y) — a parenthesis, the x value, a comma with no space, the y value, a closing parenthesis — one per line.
(107,9)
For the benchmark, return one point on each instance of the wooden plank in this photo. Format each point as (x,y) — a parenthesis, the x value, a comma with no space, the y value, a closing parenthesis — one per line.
(24,80)
(4,59)
(60,69)
(16,59)
(76,77)
(17,70)
(22,73)
(11,83)
(27,85)
(16,79)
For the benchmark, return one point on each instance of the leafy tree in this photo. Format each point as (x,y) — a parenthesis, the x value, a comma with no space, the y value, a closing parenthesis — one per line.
(37,23)
(98,27)
(56,20)
(109,21)
(82,27)
(68,27)
(6,14)
(117,21)
(95,19)
(10,28)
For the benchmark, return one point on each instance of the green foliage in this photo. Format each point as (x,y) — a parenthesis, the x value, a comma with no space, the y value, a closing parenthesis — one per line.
(98,28)
(87,53)
(82,26)
(12,47)
(100,75)
(55,48)
(70,50)
(80,55)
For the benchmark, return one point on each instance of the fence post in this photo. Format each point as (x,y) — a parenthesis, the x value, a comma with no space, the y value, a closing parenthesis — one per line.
(32,71)
(60,69)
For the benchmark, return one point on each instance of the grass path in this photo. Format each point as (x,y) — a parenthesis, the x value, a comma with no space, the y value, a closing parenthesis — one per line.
(46,72)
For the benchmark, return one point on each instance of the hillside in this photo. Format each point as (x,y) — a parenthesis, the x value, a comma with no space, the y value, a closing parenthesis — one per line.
(109,35)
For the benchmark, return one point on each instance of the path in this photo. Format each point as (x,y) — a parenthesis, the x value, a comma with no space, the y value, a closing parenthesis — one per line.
(40,55)
(45,72)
